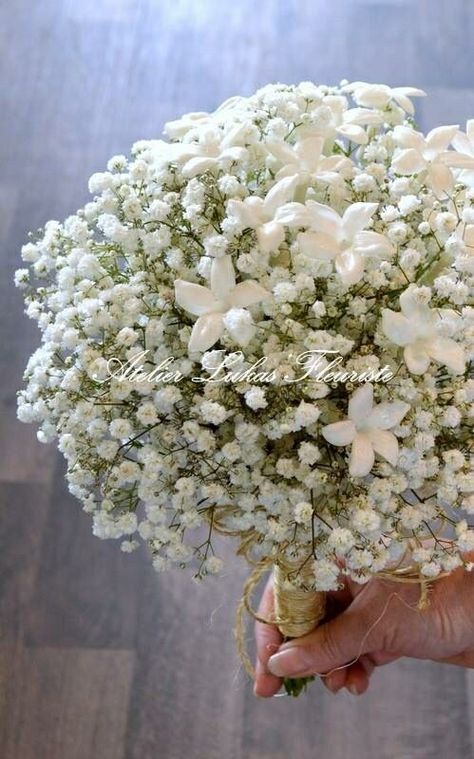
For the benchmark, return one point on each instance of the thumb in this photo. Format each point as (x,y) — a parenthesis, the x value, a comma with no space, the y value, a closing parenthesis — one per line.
(329,646)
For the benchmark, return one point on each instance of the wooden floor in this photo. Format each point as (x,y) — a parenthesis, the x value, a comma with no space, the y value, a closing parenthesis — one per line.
(99,657)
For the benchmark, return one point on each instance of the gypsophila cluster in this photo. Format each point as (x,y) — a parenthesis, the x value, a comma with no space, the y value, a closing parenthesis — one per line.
(304,218)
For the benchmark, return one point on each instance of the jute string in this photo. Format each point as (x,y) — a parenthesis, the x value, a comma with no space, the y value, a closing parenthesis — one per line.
(298,611)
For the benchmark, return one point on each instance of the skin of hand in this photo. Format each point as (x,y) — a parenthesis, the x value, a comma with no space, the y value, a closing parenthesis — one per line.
(367,626)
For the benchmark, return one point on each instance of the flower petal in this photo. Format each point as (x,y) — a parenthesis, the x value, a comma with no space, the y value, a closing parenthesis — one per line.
(457,160)
(235,136)
(409,138)
(350,266)
(247,293)
(324,219)
(362,116)
(339,433)
(362,456)
(195,299)
(206,332)
(318,245)
(309,151)
(440,178)
(469,235)
(222,277)
(270,236)
(292,215)
(386,415)
(440,137)
(233,154)
(408,161)
(354,133)
(416,358)
(385,444)
(248,212)
(470,131)
(462,143)
(282,151)
(447,352)
(198,165)
(372,244)
(356,217)
(397,327)
(360,404)
(280,193)
(467,178)
(412,307)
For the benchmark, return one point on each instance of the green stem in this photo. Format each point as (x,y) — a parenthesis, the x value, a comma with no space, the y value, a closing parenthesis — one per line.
(296,685)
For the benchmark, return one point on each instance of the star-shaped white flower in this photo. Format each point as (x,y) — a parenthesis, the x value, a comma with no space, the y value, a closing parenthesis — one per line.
(367,430)
(261,214)
(177,128)
(306,160)
(341,239)
(212,305)
(350,122)
(214,149)
(417,329)
(429,155)
(380,95)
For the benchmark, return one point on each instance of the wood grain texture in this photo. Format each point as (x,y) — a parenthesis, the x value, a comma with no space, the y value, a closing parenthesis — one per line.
(64,703)
(99,657)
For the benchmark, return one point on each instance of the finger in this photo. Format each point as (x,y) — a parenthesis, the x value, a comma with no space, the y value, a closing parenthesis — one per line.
(330,646)
(335,681)
(358,675)
(268,640)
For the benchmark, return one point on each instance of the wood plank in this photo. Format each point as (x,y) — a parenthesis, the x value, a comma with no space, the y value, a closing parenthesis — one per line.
(86,590)
(400,717)
(24,509)
(64,703)
(187,669)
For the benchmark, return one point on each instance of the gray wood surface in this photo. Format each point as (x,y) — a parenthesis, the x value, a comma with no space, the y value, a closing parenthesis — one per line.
(99,657)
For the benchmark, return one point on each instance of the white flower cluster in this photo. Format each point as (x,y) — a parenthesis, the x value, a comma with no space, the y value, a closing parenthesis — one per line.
(302,218)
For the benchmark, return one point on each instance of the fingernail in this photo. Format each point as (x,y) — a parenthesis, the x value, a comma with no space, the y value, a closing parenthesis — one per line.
(272,647)
(333,686)
(352,688)
(291,661)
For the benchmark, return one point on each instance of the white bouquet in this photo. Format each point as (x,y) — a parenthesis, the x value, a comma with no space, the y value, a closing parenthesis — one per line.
(265,326)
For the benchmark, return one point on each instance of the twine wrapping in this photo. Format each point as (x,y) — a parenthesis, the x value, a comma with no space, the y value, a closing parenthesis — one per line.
(298,609)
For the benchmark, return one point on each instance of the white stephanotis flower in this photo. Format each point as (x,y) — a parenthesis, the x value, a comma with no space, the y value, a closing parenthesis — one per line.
(342,239)
(367,429)
(178,128)
(380,95)
(261,214)
(214,149)
(416,328)
(350,122)
(429,155)
(213,305)
(306,161)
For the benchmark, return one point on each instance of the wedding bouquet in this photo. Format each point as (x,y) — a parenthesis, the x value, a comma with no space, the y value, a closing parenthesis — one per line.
(264,326)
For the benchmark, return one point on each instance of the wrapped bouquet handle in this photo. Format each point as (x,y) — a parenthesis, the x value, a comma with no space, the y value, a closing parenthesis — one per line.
(298,609)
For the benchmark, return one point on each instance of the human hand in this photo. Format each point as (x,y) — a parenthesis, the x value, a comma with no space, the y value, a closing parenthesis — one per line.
(367,626)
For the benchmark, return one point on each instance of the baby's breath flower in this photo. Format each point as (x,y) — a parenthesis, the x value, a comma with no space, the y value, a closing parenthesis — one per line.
(174,305)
